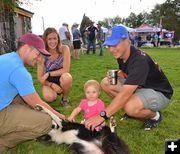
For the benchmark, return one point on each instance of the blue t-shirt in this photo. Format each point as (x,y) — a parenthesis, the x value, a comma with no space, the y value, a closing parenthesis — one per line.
(14,79)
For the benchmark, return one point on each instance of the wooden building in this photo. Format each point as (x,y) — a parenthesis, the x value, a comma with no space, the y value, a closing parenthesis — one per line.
(12,26)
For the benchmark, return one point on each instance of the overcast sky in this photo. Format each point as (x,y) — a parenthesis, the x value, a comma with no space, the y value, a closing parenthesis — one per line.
(55,12)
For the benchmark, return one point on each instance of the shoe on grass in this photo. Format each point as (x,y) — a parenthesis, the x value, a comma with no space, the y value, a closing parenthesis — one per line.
(152,123)
(125,117)
(65,102)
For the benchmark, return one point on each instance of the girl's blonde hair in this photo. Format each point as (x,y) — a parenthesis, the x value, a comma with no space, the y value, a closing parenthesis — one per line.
(92,83)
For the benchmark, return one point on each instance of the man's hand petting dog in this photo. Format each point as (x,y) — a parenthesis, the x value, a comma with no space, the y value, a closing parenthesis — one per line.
(92,123)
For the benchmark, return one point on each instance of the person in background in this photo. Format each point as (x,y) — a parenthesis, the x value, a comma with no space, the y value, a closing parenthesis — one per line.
(19,121)
(100,38)
(91,37)
(65,35)
(155,37)
(92,105)
(136,39)
(53,71)
(76,40)
(142,90)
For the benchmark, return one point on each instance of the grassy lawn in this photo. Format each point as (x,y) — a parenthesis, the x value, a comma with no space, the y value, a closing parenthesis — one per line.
(139,141)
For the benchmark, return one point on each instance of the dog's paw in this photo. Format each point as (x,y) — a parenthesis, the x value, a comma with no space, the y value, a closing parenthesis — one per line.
(38,107)
(113,124)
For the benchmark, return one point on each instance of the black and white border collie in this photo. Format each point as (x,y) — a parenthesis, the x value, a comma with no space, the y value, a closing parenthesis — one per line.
(84,141)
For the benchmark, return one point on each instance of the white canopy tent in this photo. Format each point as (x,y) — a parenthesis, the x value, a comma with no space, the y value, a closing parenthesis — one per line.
(105,30)
(128,28)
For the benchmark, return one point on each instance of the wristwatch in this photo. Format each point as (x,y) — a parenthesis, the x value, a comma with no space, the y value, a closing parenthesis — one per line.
(103,115)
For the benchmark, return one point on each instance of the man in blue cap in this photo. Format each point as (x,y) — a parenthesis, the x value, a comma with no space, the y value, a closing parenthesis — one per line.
(142,89)
(19,121)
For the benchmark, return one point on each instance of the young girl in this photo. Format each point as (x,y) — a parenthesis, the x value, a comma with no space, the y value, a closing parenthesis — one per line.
(92,105)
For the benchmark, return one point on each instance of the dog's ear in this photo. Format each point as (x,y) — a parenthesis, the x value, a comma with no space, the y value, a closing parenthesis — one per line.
(54,125)
(105,131)
(112,144)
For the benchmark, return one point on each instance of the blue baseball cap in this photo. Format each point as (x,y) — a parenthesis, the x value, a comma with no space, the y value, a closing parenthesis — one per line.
(115,35)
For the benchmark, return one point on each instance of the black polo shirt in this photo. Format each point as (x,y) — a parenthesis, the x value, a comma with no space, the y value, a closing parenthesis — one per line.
(92,30)
(141,70)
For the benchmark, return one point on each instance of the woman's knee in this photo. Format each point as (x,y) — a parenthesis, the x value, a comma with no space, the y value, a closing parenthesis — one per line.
(49,97)
(66,79)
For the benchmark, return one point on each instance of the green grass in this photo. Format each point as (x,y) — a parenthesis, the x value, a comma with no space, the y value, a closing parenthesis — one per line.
(139,141)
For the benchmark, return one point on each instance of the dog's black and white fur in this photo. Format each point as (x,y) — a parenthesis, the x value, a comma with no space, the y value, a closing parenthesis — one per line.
(84,141)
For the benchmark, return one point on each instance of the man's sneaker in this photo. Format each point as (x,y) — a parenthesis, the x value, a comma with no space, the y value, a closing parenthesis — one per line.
(151,123)
(125,117)
(65,102)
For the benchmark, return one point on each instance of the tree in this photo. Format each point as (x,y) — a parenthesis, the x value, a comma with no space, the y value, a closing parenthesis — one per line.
(169,13)
(155,16)
(116,20)
(84,23)
(110,22)
(131,20)
(107,22)
(8,4)
(134,20)
(11,4)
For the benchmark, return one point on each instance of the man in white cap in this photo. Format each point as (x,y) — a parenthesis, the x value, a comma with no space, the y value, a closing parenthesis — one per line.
(19,121)
(142,89)
(65,35)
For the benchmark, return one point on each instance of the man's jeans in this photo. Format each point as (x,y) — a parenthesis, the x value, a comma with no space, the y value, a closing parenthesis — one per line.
(93,44)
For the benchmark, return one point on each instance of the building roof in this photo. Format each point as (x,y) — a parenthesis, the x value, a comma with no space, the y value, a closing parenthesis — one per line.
(23,12)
